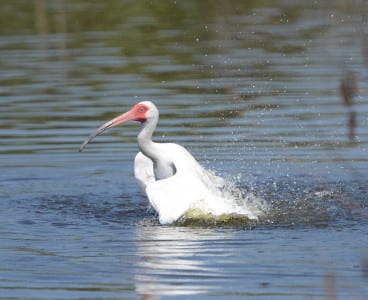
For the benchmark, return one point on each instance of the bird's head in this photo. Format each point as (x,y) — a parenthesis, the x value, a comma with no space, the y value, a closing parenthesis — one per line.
(142,112)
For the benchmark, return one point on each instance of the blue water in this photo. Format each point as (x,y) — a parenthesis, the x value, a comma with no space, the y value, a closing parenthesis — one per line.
(255,91)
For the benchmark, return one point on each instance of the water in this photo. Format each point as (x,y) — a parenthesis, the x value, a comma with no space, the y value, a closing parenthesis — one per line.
(254,91)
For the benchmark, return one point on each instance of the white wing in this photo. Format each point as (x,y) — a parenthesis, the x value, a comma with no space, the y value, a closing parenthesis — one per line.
(143,171)
(173,196)
(192,187)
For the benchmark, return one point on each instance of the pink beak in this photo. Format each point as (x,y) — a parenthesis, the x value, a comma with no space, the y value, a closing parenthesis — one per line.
(123,118)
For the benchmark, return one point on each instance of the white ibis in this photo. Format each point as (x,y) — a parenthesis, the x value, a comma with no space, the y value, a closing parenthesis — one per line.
(167,173)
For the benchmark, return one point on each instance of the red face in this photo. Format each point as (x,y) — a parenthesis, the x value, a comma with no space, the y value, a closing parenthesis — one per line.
(140,111)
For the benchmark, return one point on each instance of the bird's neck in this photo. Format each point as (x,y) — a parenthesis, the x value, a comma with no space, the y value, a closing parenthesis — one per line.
(145,143)
(163,167)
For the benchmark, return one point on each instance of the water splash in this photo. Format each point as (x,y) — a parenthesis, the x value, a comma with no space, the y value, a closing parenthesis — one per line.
(230,206)
(285,202)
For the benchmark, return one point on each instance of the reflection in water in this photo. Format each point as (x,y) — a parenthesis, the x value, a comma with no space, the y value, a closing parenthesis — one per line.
(365,268)
(169,256)
(348,91)
(41,17)
(348,88)
(352,124)
(330,285)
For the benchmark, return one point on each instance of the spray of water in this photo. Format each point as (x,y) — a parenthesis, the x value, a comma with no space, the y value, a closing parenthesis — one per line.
(229,205)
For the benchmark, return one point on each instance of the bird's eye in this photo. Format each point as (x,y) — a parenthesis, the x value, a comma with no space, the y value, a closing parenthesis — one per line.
(142,109)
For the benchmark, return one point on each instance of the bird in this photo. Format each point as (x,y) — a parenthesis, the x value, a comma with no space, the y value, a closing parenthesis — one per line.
(171,178)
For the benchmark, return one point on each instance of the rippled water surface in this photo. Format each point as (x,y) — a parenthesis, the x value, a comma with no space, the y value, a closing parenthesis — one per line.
(271,95)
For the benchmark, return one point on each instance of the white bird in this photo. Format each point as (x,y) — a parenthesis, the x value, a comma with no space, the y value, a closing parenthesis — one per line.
(173,181)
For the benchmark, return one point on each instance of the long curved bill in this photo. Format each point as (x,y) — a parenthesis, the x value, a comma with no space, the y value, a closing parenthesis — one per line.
(125,117)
